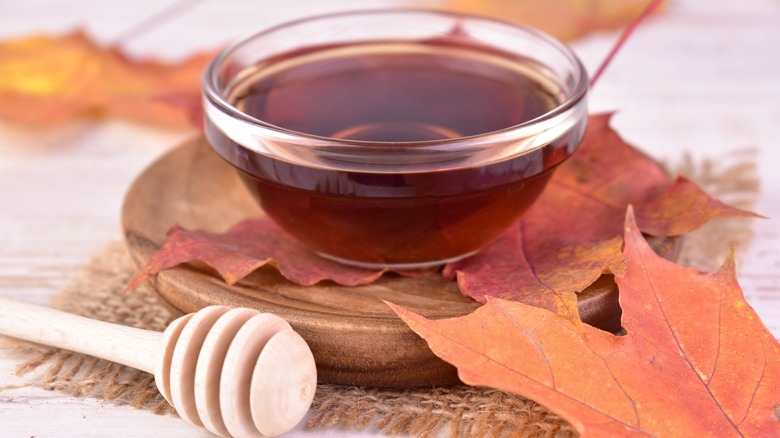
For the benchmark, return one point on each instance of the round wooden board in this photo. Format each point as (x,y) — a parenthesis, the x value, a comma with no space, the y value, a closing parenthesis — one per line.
(355,338)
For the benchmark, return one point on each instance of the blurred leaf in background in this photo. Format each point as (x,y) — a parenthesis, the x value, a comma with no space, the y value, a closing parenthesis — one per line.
(564,19)
(47,80)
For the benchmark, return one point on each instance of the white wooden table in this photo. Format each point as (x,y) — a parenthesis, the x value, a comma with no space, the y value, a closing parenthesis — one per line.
(701,78)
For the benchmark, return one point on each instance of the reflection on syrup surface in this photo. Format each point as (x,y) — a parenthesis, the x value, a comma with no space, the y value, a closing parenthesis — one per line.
(397,94)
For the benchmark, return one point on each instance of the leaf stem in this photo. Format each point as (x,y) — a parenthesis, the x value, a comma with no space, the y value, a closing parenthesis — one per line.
(652,6)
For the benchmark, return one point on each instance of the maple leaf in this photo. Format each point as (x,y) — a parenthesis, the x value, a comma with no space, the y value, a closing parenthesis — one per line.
(246,247)
(696,359)
(562,245)
(563,19)
(545,278)
(47,80)
(571,235)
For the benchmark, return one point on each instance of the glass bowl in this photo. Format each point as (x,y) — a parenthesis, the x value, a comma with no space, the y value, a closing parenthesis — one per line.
(425,165)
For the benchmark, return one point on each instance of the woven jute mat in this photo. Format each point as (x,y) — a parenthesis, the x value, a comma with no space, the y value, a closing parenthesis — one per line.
(457,411)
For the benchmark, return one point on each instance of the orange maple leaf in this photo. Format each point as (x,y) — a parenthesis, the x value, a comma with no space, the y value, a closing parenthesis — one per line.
(563,19)
(47,80)
(696,359)
(572,234)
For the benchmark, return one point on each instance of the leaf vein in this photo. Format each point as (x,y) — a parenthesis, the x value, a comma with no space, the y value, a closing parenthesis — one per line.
(677,341)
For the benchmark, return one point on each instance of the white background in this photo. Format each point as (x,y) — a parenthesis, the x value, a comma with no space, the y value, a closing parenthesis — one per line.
(703,78)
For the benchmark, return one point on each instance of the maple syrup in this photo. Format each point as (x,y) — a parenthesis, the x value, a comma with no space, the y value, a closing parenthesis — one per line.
(377,181)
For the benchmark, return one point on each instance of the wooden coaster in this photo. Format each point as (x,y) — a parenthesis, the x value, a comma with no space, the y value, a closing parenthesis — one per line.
(355,338)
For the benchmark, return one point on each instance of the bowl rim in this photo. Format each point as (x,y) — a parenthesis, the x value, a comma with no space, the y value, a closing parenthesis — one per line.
(212,96)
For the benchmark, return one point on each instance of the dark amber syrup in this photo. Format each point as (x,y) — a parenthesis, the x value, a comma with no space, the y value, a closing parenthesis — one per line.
(399,95)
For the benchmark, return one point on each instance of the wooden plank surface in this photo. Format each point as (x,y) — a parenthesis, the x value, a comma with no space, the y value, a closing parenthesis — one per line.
(701,79)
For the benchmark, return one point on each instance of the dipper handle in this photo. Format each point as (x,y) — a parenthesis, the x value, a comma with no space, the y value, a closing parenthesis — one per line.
(136,348)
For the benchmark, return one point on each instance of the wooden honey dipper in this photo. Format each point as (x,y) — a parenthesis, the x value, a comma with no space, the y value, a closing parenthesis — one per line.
(237,372)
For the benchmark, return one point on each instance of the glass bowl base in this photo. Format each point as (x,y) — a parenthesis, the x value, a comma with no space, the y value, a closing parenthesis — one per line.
(396,266)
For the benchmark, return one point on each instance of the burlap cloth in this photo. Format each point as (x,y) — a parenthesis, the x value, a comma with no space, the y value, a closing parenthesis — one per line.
(459,411)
